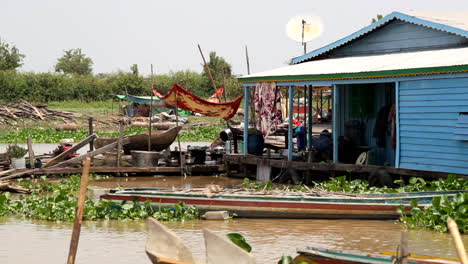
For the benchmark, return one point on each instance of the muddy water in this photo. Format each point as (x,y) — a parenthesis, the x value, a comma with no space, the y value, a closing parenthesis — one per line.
(33,241)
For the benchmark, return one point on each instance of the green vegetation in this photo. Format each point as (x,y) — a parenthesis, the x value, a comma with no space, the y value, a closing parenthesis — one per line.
(16,151)
(10,58)
(74,62)
(435,217)
(239,241)
(57,202)
(50,135)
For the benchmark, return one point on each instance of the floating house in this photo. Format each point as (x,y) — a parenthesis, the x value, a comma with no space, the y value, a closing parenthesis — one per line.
(399,91)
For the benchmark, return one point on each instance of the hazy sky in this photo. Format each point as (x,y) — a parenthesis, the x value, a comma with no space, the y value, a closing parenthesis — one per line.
(118,33)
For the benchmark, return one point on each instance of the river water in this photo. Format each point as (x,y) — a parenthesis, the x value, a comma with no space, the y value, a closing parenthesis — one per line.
(35,241)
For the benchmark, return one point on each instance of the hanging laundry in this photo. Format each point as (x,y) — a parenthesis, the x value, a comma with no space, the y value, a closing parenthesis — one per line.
(267,99)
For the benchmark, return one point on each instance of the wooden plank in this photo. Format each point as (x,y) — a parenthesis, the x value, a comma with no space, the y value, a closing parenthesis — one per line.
(7,172)
(91,154)
(79,213)
(31,154)
(73,149)
(112,169)
(17,175)
(90,132)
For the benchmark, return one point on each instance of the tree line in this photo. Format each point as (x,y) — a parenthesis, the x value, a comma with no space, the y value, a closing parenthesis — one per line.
(74,79)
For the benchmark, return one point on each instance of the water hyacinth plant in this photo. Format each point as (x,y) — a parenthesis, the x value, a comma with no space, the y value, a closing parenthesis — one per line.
(57,202)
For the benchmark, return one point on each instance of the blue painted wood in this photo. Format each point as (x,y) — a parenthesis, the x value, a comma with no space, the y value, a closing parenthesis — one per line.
(379,24)
(438,152)
(398,122)
(445,116)
(290,123)
(309,116)
(427,135)
(335,93)
(434,142)
(444,109)
(435,83)
(429,111)
(427,122)
(398,36)
(433,91)
(246,118)
(431,167)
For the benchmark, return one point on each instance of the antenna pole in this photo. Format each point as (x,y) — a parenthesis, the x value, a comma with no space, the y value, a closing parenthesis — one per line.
(303,43)
(247,59)
(151,110)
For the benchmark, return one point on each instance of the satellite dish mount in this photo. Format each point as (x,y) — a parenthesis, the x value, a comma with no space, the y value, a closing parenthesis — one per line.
(304,29)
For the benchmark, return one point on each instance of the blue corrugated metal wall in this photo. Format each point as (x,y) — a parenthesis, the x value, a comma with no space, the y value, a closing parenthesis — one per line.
(429,110)
(400,36)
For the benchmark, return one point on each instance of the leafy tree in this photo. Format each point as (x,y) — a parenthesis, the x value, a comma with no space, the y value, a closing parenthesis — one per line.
(10,58)
(217,66)
(134,69)
(74,62)
(377,18)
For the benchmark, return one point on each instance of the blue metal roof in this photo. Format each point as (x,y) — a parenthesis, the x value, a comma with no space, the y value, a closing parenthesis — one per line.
(376,25)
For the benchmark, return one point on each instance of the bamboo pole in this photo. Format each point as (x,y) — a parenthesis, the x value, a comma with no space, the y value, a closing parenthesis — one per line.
(247,59)
(461,252)
(224,85)
(79,213)
(181,161)
(151,110)
(213,83)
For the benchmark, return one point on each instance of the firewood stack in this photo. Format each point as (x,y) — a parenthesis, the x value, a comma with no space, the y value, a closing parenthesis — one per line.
(14,111)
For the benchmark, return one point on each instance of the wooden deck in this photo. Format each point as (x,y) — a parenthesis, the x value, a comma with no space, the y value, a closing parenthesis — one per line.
(111,169)
(241,159)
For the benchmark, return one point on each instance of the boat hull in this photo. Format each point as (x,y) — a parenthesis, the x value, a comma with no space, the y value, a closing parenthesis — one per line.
(324,256)
(263,206)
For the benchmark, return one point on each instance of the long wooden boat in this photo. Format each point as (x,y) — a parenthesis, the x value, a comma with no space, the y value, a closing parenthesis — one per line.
(270,204)
(159,140)
(325,256)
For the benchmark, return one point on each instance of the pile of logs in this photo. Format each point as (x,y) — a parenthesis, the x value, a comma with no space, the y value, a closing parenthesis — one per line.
(13,111)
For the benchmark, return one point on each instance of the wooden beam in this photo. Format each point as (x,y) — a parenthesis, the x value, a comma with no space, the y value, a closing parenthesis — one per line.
(113,169)
(330,167)
(31,154)
(73,149)
(91,154)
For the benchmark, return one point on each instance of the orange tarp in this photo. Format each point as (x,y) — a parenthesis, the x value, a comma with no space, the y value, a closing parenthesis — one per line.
(186,100)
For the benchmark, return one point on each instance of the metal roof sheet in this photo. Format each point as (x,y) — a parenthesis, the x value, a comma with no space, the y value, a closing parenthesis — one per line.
(431,60)
(451,22)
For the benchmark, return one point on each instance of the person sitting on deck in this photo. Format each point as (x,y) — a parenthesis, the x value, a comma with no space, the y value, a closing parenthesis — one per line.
(65,144)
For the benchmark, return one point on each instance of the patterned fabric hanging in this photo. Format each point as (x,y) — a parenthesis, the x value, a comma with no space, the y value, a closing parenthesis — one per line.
(267,101)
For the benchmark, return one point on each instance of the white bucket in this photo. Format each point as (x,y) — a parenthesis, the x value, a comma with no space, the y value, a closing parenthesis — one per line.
(19,163)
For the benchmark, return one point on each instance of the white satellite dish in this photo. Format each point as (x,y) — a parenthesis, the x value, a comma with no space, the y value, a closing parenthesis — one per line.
(304,28)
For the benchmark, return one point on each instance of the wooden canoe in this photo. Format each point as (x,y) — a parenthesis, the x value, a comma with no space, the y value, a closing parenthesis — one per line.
(165,247)
(325,256)
(292,205)
(159,141)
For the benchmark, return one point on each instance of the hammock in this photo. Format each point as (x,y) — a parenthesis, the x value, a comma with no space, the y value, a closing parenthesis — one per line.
(188,101)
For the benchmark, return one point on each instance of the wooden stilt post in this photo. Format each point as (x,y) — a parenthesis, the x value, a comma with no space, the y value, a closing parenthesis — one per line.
(404,248)
(461,252)
(31,154)
(150,127)
(90,132)
(119,145)
(79,213)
